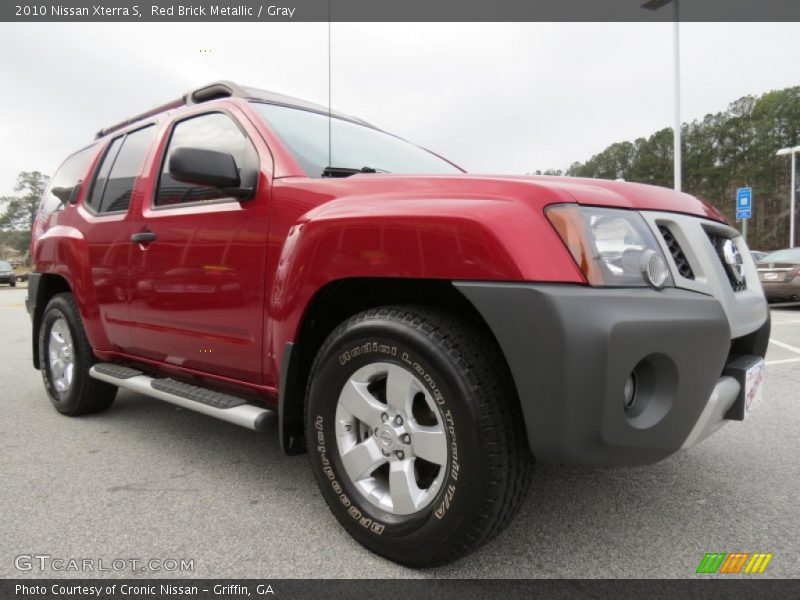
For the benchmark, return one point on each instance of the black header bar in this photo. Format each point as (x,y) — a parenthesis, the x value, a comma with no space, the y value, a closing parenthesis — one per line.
(395,589)
(398,10)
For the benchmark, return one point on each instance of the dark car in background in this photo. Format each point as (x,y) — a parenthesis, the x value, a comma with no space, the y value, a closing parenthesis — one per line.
(780,275)
(7,274)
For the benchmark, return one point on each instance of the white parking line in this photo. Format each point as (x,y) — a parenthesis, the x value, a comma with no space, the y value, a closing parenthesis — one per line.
(782,361)
(786,322)
(786,346)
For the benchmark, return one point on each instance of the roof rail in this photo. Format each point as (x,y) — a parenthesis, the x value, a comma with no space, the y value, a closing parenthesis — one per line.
(212,91)
(226,89)
(153,111)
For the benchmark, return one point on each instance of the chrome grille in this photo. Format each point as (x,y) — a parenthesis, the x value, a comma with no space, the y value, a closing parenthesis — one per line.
(684,268)
(718,242)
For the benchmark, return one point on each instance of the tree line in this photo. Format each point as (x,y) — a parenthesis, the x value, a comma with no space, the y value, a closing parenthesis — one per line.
(19,212)
(722,152)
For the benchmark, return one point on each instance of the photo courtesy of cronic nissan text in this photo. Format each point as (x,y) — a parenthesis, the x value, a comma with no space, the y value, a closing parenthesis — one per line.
(454,299)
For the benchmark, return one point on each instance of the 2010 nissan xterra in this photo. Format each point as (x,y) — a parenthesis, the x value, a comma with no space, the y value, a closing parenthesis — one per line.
(423,333)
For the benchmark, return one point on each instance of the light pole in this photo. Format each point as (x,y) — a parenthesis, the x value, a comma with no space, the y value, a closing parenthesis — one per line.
(792,187)
(676,34)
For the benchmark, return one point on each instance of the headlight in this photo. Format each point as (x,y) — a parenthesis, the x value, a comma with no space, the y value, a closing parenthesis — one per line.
(612,247)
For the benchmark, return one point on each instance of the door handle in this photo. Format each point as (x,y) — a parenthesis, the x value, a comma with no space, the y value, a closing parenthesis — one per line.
(143,237)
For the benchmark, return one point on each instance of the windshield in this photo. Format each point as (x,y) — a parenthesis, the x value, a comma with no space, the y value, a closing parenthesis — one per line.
(353,147)
(792,255)
(4,266)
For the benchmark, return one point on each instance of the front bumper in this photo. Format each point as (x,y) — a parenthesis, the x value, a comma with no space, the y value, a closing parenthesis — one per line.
(571,350)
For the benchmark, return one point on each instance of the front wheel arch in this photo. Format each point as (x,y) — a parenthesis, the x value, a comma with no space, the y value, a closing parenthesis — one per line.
(332,305)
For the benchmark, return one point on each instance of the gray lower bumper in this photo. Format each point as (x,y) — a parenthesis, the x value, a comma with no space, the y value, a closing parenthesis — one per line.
(722,398)
(571,350)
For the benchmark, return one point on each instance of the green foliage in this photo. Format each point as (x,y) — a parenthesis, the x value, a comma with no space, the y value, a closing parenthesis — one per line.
(17,240)
(19,212)
(721,152)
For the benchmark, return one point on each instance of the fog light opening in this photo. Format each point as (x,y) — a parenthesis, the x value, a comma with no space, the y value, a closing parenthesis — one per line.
(630,392)
(650,390)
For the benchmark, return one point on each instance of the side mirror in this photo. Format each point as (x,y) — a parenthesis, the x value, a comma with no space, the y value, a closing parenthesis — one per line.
(204,167)
(62,193)
(67,194)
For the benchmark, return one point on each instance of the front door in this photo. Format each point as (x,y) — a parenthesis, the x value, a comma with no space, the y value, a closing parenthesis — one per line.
(198,263)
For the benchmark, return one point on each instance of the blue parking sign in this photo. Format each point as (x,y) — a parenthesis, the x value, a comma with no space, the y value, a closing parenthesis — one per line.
(744,201)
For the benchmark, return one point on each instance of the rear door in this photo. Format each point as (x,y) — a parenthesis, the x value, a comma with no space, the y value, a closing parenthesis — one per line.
(198,265)
(108,226)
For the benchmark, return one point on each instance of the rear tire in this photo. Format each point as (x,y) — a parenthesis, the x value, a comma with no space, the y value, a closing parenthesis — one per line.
(416,435)
(13,282)
(66,357)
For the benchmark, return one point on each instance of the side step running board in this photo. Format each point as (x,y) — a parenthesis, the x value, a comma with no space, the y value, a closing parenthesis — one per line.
(215,404)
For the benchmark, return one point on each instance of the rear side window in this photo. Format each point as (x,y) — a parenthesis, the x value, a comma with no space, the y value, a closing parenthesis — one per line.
(116,176)
(66,183)
(213,131)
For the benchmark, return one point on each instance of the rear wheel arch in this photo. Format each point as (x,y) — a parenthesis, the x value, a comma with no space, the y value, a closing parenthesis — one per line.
(331,306)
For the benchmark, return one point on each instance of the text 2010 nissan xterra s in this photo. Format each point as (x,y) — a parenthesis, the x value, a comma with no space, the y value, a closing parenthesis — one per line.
(423,333)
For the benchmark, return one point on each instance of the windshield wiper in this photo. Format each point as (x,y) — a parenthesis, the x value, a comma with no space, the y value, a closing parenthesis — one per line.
(347,171)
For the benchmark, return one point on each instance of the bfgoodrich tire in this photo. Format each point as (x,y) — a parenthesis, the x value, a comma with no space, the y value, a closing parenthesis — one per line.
(415,434)
(66,358)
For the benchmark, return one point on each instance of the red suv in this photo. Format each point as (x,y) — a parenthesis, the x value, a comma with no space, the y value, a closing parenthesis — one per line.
(421,332)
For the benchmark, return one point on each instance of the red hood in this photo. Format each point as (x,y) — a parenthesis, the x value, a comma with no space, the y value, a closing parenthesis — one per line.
(604,192)
(534,190)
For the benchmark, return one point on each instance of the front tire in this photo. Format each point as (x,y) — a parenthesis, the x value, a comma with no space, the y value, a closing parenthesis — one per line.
(415,434)
(66,357)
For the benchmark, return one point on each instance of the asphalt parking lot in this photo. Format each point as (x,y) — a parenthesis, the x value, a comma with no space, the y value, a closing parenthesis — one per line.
(148,480)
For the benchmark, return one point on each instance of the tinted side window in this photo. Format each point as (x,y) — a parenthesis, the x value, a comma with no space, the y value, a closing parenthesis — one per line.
(215,131)
(101,178)
(67,180)
(115,179)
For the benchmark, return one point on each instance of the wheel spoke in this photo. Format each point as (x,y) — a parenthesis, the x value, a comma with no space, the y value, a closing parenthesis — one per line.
(57,368)
(68,372)
(357,399)
(362,459)
(430,443)
(56,340)
(400,389)
(403,488)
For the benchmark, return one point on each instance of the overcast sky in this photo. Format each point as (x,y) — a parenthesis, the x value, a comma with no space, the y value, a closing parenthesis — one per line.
(501,98)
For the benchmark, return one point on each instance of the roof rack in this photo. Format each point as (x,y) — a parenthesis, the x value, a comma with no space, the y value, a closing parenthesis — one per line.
(154,111)
(227,89)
